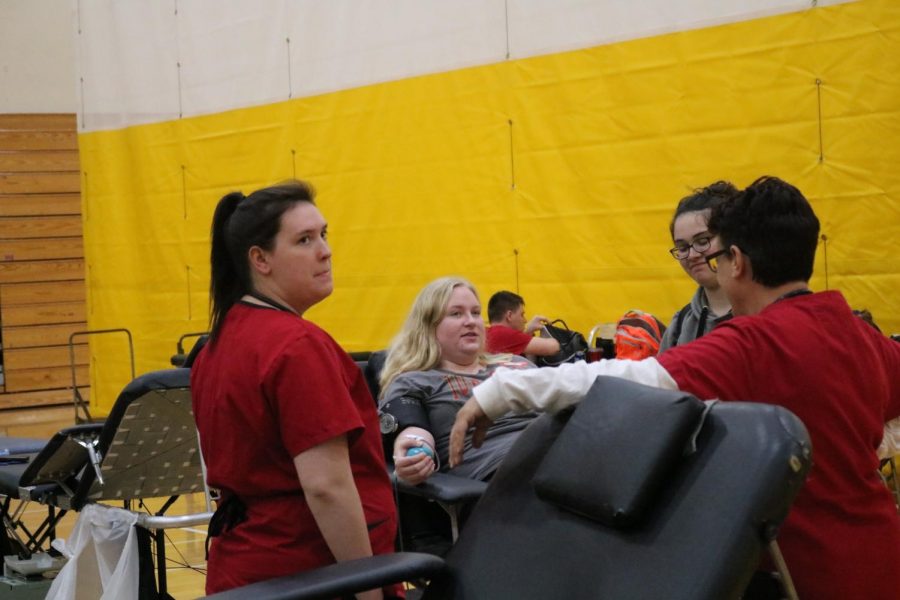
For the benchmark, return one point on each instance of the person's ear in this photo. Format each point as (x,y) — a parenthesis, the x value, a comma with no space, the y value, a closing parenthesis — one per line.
(259,260)
(740,264)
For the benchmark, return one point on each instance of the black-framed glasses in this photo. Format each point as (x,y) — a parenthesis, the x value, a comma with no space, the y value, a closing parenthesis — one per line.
(700,245)
(712,261)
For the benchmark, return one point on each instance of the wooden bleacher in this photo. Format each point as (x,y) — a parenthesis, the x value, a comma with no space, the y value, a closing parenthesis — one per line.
(42,289)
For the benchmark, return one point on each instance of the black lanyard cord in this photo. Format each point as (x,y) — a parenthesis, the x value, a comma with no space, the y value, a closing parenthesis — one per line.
(273,303)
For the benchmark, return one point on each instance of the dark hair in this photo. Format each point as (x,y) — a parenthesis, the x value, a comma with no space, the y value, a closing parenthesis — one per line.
(774,225)
(239,223)
(501,302)
(704,198)
(866,316)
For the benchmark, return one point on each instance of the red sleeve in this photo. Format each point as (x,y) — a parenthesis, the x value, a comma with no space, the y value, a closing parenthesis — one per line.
(711,367)
(306,388)
(502,339)
(892,369)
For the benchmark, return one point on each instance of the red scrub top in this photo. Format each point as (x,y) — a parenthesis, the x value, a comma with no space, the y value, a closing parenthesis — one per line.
(272,386)
(811,355)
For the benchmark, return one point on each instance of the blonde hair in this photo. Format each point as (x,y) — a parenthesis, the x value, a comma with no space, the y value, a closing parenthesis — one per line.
(416,347)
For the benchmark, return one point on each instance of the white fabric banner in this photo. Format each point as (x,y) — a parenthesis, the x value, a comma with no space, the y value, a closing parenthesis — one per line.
(144,62)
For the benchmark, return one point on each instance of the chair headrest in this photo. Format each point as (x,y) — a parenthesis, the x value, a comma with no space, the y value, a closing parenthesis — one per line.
(617,450)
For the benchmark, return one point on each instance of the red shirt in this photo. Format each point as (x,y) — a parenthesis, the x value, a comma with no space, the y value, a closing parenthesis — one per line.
(811,355)
(501,339)
(271,387)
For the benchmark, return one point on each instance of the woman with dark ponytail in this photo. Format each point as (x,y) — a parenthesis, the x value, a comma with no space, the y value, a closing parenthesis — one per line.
(287,426)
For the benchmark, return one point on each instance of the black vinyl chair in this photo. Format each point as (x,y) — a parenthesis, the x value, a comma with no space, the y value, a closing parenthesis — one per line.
(186,359)
(146,448)
(637,493)
(15,536)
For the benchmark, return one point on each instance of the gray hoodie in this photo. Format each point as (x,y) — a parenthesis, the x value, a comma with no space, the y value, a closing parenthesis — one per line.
(691,322)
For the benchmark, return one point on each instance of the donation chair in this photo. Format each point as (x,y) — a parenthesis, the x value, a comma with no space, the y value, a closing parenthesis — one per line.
(146,448)
(451,494)
(636,493)
(15,536)
(186,359)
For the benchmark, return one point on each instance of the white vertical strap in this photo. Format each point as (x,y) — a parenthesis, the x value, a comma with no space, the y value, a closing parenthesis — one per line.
(787,584)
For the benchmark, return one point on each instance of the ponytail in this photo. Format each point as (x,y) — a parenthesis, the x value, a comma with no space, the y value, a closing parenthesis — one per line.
(225,285)
(238,224)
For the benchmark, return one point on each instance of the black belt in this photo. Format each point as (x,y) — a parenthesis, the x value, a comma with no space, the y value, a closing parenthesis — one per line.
(230,513)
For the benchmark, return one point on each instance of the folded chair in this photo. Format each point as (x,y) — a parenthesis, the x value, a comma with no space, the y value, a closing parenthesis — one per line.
(146,448)
(636,493)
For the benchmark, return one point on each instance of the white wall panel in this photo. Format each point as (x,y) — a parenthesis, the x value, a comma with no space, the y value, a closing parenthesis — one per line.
(143,62)
(347,43)
(37,56)
(544,26)
(231,56)
(127,63)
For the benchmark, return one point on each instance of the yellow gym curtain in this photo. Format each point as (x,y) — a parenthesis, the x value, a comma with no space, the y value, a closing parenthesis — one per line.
(554,176)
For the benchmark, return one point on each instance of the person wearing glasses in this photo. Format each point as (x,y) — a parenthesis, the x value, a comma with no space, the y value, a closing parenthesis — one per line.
(786,346)
(690,234)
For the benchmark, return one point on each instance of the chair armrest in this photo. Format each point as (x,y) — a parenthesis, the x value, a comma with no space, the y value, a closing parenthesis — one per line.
(342,578)
(442,487)
(173,522)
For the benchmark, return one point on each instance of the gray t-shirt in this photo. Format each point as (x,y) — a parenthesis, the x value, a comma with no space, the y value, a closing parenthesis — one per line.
(441,394)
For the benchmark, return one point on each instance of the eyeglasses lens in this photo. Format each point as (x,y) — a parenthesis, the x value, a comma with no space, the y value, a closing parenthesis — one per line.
(700,245)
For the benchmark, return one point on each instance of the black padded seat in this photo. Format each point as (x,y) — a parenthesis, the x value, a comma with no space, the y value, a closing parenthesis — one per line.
(10,474)
(699,535)
(696,532)
(10,446)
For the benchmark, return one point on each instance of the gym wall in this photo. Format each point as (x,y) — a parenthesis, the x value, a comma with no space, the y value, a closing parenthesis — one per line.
(535,146)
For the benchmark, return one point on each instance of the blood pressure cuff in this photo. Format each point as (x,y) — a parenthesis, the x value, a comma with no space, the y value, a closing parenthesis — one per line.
(407,410)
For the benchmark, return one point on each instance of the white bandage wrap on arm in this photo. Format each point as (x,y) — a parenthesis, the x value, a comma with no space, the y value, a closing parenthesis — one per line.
(552,389)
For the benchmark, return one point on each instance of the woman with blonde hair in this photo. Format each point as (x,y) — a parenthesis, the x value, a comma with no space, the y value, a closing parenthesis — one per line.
(431,368)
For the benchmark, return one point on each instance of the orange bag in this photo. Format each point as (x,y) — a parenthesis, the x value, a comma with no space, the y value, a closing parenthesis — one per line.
(638,335)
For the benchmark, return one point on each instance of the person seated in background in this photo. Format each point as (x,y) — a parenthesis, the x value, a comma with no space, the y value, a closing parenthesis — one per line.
(786,346)
(690,234)
(287,425)
(431,367)
(511,332)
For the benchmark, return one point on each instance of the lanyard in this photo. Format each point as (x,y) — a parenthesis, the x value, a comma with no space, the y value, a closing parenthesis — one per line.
(272,303)
(793,294)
